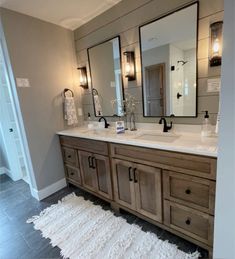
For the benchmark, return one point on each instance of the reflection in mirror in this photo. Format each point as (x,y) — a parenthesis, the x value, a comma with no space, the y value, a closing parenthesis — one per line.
(169,68)
(106,78)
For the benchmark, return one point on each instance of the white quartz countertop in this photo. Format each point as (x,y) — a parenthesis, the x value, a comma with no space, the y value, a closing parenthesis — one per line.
(185,142)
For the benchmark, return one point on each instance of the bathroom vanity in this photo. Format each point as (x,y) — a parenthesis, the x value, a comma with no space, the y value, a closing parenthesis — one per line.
(171,189)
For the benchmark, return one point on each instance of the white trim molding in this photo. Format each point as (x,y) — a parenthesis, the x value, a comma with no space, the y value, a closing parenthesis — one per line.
(4,170)
(49,190)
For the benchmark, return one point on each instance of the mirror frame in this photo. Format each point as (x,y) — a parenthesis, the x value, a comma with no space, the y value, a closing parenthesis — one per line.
(91,81)
(141,62)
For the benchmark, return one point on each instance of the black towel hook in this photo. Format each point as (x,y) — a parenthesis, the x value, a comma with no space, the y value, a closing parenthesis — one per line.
(66,90)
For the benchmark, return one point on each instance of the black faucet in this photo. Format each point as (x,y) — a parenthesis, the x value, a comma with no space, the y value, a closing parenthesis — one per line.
(106,125)
(165,127)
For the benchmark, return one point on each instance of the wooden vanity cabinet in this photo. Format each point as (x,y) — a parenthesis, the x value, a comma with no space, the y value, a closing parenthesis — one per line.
(138,187)
(173,190)
(87,165)
(71,164)
(96,173)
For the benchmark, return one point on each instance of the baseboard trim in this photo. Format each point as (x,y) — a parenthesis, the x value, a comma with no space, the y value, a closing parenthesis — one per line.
(49,190)
(4,170)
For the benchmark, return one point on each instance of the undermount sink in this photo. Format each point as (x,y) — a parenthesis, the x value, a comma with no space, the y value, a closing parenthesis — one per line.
(164,137)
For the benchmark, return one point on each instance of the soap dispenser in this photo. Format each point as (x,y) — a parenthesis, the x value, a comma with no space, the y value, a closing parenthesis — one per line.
(206,126)
(90,124)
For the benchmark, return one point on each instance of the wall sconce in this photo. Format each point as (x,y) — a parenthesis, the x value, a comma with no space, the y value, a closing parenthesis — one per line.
(216,43)
(83,77)
(130,65)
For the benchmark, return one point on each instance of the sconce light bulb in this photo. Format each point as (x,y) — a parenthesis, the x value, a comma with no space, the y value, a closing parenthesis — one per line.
(216,46)
(128,68)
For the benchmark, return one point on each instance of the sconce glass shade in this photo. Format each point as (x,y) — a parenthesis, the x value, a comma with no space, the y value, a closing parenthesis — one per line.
(216,44)
(130,65)
(83,77)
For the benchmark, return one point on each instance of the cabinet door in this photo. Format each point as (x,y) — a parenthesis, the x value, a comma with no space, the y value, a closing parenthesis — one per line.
(103,172)
(123,182)
(148,191)
(89,177)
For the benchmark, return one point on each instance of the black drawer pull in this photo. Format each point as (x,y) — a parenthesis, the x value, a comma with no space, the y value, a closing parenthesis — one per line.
(69,156)
(135,179)
(93,163)
(89,162)
(129,170)
(188,191)
(188,221)
(72,173)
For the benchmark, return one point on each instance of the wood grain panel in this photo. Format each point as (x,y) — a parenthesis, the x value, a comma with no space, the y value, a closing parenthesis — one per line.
(123,183)
(188,190)
(148,191)
(191,222)
(179,162)
(70,156)
(73,174)
(89,145)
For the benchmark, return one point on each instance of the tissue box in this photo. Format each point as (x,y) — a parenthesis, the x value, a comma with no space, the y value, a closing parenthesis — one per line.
(120,127)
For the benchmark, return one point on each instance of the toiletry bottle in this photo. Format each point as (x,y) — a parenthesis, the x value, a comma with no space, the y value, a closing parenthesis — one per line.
(90,124)
(206,126)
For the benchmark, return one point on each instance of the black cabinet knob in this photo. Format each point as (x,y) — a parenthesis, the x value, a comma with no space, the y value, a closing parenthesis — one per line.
(72,173)
(188,221)
(69,156)
(10,130)
(188,191)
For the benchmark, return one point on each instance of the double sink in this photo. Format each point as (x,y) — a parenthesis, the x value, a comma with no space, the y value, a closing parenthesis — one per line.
(146,136)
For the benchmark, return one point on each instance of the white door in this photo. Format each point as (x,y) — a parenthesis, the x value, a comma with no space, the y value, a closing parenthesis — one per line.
(8,126)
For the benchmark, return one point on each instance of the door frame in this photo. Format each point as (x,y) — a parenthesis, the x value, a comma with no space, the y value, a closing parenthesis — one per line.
(18,115)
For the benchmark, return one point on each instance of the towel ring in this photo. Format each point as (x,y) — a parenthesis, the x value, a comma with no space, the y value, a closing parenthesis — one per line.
(94,92)
(66,90)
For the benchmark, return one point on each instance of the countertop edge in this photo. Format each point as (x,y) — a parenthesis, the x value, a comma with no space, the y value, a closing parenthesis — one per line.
(133,142)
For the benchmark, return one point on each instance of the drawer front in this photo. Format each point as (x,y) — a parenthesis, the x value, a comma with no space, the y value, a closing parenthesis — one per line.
(99,147)
(192,191)
(188,164)
(73,174)
(70,156)
(188,221)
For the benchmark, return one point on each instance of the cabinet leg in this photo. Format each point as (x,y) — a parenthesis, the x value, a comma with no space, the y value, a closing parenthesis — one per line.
(115,207)
(210,253)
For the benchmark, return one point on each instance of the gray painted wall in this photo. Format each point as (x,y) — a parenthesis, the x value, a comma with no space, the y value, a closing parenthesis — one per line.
(224,238)
(43,53)
(124,19)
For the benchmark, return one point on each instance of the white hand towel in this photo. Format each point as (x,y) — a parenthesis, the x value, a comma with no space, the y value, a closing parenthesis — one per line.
(70,114)
(98,109)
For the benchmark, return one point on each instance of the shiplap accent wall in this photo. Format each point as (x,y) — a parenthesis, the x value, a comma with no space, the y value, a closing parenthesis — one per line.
(124,19)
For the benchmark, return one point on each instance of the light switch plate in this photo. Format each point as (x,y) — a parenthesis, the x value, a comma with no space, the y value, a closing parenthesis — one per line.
(213,84)
(22,82)
(80,113)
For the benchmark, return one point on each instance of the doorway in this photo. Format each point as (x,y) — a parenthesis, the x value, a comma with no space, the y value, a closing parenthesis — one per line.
(13,142)
(154,90)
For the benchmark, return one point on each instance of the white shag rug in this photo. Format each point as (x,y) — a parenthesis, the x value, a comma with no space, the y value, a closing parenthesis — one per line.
(84,230)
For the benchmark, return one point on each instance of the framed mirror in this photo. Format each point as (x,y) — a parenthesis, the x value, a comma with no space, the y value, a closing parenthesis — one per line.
(169,64)
(106,78)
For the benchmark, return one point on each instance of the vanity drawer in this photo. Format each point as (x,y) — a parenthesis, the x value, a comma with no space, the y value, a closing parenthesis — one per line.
(188,221)
(99,147)
(188,164)
(70,156)
(192,191)
(73,174)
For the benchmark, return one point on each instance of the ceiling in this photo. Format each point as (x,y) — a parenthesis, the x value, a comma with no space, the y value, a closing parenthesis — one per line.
(70,14)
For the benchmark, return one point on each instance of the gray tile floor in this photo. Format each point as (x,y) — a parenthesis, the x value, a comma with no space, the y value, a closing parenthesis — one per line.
(19,240)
